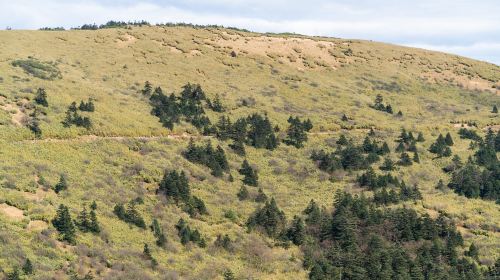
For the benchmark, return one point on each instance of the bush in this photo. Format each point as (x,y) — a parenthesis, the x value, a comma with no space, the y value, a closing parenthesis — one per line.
(39,69)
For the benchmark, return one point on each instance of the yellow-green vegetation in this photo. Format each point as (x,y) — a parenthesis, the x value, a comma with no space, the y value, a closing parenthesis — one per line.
(126,151)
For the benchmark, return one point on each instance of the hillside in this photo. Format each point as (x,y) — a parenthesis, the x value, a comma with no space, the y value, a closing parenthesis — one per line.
(121,151)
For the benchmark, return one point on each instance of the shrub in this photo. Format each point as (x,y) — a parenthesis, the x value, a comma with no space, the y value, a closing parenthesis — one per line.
(39,69)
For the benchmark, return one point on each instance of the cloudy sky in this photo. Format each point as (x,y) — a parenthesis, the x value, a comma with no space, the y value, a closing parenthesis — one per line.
(466,27)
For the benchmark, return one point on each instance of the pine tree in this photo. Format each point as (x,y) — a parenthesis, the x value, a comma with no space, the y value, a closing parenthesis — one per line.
(148,87)
(344,118)
(228,275)
(14,275)
(384,149)
(261,196)
(297,132)
(93,222)
(250,175)
(401,147)
(82,221)
(296,233)
(41,97)
(420,137)
(388,165)
(388,109)
(61,185)
(342,140)
(146,251)
(28,267)
(243,193)
(405,160)
(448,140)
(64,225)
(416,158)
(473,252)
(495,109)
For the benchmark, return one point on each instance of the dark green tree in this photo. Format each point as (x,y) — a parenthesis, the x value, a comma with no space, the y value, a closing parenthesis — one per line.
(64,225)
(41,97)
(27,267)
(250,175)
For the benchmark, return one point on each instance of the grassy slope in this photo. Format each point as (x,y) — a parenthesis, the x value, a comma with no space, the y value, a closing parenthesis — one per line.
(301,76)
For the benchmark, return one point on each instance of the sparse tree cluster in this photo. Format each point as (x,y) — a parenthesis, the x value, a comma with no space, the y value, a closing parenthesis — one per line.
(74,118)
(186,234)
(175,186)
(297,132)
(129,214)
(442,146)
(215,159)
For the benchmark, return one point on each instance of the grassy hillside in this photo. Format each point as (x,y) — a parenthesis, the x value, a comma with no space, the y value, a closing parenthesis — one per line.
(124,154)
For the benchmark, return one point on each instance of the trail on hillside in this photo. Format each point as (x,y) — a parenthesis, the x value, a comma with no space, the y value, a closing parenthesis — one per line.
(93,137)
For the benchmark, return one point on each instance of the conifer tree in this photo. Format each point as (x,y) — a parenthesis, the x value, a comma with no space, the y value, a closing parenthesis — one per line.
(93,222)
(148,88)
(82,220)
(243,193)
(41,97)
(416,157)
(250,175)
(27,267)
(495,109)
(296,232)
(448,140)
(388,165)
(64,225)
(342,140)
(261,196)
(473,252)
(420,137)
(405,160)
(297,132)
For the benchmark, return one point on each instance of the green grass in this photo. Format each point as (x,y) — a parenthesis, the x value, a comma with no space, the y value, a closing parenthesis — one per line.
(111,67)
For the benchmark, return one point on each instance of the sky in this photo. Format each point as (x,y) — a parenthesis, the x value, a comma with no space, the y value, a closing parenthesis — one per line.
(466,27)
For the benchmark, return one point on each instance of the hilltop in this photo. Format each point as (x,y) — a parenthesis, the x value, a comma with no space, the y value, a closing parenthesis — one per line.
(123,144)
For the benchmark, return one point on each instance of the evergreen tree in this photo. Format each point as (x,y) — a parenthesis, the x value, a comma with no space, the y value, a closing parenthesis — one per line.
(228,275)
(250,175)
(342,140)
(148,88)
(261,196)
(14,274)
(388,165)
(93,222)
(268,218)
(296,232)
(260,132)
(216,105)
(313,213)
(243,193)
(416,158)
(28,267)
(82,220)
(64,225)
(41,97)
(473,252)
(297,132)
(420,137)
(448,140)
(495,109)
(401,147)
(405,160)
(384,149)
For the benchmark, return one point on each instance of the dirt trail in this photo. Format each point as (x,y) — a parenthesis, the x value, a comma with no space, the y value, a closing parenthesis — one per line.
(92,138)
(186,136)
